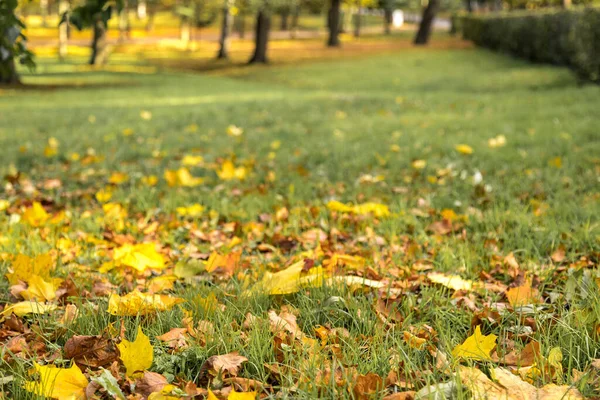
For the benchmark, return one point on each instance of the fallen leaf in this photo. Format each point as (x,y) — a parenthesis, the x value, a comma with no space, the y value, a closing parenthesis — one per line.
(91,351)
(35,215)
(367,386)
(510,387)
(58,383)
(27,307)
(454,282)
(137,356)
(476,347)
(139,256)
(523,295)
(227,363)
(137,303)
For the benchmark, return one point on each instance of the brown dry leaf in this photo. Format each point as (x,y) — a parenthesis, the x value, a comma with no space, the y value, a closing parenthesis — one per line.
(367,386)
(226,363)
(149,383)
(410,395)
(285,321)
(247,385)
(414,341)
(511,387)
(442,227)
(511,261)
(523,358)
(176,338)
(91,351)
(559,254)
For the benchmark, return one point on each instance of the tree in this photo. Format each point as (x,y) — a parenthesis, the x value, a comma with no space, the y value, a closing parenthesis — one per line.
(225,29)
(13,47)
(261,38)
(388,7)
(426,25)
(333,23)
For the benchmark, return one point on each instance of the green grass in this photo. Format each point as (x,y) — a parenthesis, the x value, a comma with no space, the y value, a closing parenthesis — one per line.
(336,121)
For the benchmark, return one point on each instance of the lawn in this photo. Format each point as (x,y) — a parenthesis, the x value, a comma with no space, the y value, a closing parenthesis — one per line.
(470,189)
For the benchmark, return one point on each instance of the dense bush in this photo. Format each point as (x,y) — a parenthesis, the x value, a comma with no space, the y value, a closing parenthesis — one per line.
(565,37)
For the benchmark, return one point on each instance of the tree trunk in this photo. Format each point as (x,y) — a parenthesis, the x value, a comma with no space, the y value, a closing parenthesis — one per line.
(185,33)
(44,12)
(566,3)
(469,6)
(124,26)
(8,72)
(240,25)
(357,22)
(63,30)
(387,20)
(333,22)
(150,22)
(99,49)
(426,25)
(225,27)
(142,8)
(295,20)
(285,14)
(263,26)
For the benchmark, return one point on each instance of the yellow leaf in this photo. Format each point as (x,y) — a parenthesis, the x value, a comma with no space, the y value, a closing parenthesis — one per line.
(464,149)
(40,289)
(454,282)
(523,295)
(419,164)
(229,171)
(233,395)
(414,341)
(150,180)
(118,178)
(4,204)
(234,131)
(139,256)
(192,161)
(27,307)
(103,195)
(194,210)
(137,356)
(507,386)
(476,346)
(35,215)
(182,177)
(211,396)
(378,210)
(25,267)
(290,280)
(137,303)
(497,141)
(58,383)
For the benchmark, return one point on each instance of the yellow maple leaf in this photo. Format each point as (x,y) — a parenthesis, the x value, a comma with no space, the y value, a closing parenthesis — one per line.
(35,215)
(40,289)
(27,307)
(58,383)
(182,177)
(229,171)
(137,356)
(137,303)
(476,346)
(25,267)
(464,149)
(139,256)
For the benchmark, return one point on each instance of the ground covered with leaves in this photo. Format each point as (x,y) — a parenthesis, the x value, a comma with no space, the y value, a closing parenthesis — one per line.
(391,227)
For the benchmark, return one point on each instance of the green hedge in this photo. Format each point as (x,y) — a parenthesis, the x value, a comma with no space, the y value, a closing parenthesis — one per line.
(565,37)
